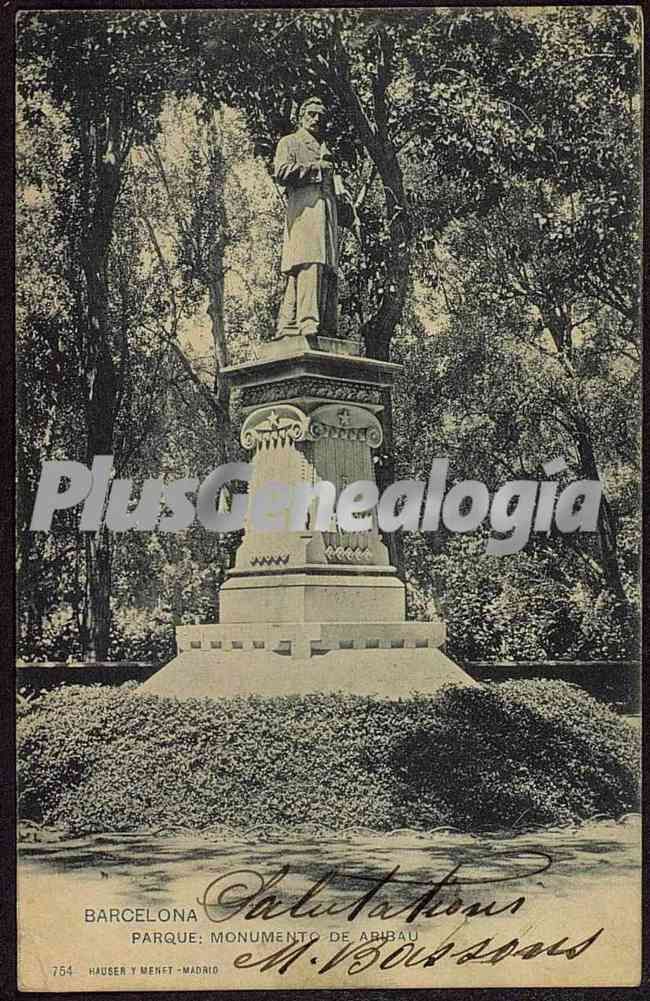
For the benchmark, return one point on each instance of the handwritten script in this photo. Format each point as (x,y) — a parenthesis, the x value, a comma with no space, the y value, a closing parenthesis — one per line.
(248,895)
(245,893)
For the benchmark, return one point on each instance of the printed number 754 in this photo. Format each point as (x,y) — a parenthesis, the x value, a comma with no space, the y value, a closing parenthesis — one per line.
(61,971)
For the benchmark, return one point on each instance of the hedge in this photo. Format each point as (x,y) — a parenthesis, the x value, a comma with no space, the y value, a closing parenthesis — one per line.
(496,756)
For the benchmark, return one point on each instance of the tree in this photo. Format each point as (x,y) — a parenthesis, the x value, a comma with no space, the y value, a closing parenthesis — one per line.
(436,114)
(53,569)
(108,76)
(473,93)
(210,215)
(524,366)
(489,157)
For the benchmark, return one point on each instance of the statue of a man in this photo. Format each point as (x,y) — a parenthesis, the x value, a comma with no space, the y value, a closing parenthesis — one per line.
(316,203)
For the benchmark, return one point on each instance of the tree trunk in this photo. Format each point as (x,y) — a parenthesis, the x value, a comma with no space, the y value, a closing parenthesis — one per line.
(607,528)
(98,575)
(104,157)
(377,332)
(100,424)
(215,278)
(558,322)
(217,322)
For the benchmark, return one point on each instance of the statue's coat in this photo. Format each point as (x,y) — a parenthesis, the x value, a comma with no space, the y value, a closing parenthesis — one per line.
(311,227)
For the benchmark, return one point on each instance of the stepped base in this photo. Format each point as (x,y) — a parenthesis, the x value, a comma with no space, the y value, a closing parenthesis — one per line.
(388,674)
(306,639)
(312,597)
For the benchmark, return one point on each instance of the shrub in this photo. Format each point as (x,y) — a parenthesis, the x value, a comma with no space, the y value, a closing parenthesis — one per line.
(543,751)
(136,634)
(142,634)
(100,759)
(608,630)
(57,638)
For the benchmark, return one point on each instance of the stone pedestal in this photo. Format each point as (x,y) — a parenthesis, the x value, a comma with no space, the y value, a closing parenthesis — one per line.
(317,609)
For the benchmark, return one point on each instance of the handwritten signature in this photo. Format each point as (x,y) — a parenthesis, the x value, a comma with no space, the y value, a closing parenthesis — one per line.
(361,957)
(358,957)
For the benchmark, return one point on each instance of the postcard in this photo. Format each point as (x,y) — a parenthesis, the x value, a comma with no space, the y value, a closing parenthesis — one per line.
(328,478)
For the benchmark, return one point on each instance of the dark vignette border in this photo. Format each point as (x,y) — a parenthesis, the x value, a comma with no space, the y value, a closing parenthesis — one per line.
(8,974)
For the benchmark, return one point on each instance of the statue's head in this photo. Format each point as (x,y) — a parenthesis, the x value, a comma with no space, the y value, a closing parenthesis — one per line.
(312,115)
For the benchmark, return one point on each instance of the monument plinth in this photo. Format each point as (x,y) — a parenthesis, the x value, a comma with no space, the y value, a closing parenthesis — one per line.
(311,416)
(313,610)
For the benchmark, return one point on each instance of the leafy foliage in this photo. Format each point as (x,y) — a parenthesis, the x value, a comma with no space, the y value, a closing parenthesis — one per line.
(518,607)
(99,759)
(143,635)
(492,156)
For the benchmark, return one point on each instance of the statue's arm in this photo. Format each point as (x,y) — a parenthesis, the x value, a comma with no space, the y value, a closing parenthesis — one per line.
(289,172)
